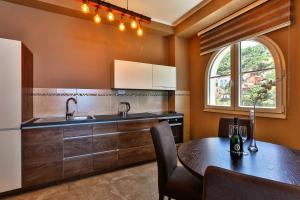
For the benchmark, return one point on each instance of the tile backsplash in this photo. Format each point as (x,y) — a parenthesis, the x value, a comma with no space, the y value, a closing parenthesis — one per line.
(49,102)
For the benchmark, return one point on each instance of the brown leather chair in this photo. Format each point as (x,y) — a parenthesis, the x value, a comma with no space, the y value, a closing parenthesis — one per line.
(173,181)
(224,126)
(222,184)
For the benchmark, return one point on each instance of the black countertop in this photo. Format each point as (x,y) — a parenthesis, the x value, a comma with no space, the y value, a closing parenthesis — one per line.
(61,121)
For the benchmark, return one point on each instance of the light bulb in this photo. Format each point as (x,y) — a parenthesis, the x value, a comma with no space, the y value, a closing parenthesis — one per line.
(133,24)
(97,19)
(85,7)
(110,16)
(140,31)
(122,26)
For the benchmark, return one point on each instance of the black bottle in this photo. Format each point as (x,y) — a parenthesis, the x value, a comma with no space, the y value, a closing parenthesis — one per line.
(236,141)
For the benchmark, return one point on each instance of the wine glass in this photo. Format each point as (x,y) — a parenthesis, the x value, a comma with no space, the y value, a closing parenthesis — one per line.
(243,132)
(230,133)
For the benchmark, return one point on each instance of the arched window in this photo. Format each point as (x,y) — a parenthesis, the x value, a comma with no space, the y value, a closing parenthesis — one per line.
(236,72)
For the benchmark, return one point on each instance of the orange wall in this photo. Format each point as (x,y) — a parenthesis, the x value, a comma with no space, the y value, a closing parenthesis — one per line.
(75,53)
(286,132)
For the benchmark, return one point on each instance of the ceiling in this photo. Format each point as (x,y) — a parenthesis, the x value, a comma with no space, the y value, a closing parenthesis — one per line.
(164,11)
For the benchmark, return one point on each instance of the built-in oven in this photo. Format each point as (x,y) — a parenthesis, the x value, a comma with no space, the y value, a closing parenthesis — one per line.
(176,123)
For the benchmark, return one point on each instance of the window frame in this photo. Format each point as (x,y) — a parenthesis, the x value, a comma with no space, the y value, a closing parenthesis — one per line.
(280,71)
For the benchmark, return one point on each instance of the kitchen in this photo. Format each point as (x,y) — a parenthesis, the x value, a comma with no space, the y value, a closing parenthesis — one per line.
(84,82)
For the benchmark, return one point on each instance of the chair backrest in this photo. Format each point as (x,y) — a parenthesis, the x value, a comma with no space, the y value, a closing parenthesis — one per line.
(224,126)
(222,184)
(165,150)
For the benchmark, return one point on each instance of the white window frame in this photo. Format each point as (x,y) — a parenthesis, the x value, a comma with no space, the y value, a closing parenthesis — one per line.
(280,71)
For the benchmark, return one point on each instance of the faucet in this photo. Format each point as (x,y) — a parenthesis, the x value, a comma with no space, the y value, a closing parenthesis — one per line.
(70,115)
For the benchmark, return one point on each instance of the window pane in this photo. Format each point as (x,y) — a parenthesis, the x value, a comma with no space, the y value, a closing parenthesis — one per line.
(255,56)
(220,91)
(222,64)
(251,83)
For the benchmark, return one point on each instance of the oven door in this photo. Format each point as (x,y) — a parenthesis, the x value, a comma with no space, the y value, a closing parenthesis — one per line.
(177,129)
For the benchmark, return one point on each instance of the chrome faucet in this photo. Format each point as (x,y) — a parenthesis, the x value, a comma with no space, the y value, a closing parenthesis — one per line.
(70,115)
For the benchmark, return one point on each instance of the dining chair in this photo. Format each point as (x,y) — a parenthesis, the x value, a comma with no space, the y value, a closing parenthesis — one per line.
(222,184)
(224,124)
(173,181)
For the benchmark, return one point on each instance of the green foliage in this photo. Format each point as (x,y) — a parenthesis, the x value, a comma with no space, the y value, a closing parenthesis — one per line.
(256,57)
(224,67)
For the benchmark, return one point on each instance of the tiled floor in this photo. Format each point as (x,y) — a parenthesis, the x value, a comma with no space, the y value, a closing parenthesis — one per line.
(136,183)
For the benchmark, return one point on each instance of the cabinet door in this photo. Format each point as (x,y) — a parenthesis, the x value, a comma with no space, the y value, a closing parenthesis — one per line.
(124,126)
(10,84)
(78,146)
(135,139)
(136,155)
(78,166)
(42,154)
(164,77)
(132,75)
(105,161)
(105,142)
(78,130)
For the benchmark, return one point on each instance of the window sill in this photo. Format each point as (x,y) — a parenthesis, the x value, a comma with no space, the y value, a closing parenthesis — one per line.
(246,113)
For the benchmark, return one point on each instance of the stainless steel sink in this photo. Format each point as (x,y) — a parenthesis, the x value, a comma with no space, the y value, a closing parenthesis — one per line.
(82,118)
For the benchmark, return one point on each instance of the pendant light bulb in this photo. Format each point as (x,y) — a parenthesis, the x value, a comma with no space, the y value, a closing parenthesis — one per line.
(97,18)
(85,7)
(110,16)
(122,26)
(133,24)
(140,31)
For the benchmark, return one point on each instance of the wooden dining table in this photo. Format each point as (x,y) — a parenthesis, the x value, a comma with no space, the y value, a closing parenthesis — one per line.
(272,161)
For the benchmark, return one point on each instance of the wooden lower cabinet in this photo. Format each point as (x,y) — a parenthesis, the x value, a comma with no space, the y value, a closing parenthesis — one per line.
(136,155)
(105,161)
(42,153)
(77,166)
(58,153)
(78,146)
(41,173)
(135,139)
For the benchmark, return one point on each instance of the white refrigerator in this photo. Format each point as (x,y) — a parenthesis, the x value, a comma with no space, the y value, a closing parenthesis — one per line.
(10,114)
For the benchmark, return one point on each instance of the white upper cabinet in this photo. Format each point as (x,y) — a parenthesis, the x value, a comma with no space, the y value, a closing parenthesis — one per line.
(132,75)
(164,77)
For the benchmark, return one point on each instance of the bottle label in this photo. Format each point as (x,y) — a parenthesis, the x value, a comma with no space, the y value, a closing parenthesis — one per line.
(237,147)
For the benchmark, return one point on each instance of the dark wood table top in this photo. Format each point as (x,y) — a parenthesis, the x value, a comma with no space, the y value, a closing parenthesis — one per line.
(274,162)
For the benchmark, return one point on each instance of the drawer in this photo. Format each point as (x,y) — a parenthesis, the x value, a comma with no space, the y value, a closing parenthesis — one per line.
(105,161)
(80,130)
(41,136)
(41,173)
(136,155)
(105,142)
(78,166)
(136,125)
(135,139)
(105,128)
(41,153)
(78,146)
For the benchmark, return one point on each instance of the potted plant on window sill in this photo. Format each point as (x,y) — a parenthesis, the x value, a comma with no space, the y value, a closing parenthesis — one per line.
(260,95)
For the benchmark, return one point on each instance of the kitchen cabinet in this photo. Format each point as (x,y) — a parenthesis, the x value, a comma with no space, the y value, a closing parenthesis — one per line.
(132,75)
(164,77)
(42,153)
(59,153)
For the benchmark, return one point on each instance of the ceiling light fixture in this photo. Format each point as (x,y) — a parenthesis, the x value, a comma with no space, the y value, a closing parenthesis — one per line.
(122,25)
(110,16)
(97,18)
(135,19)
(85,6)
(133,23)
(140,30)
